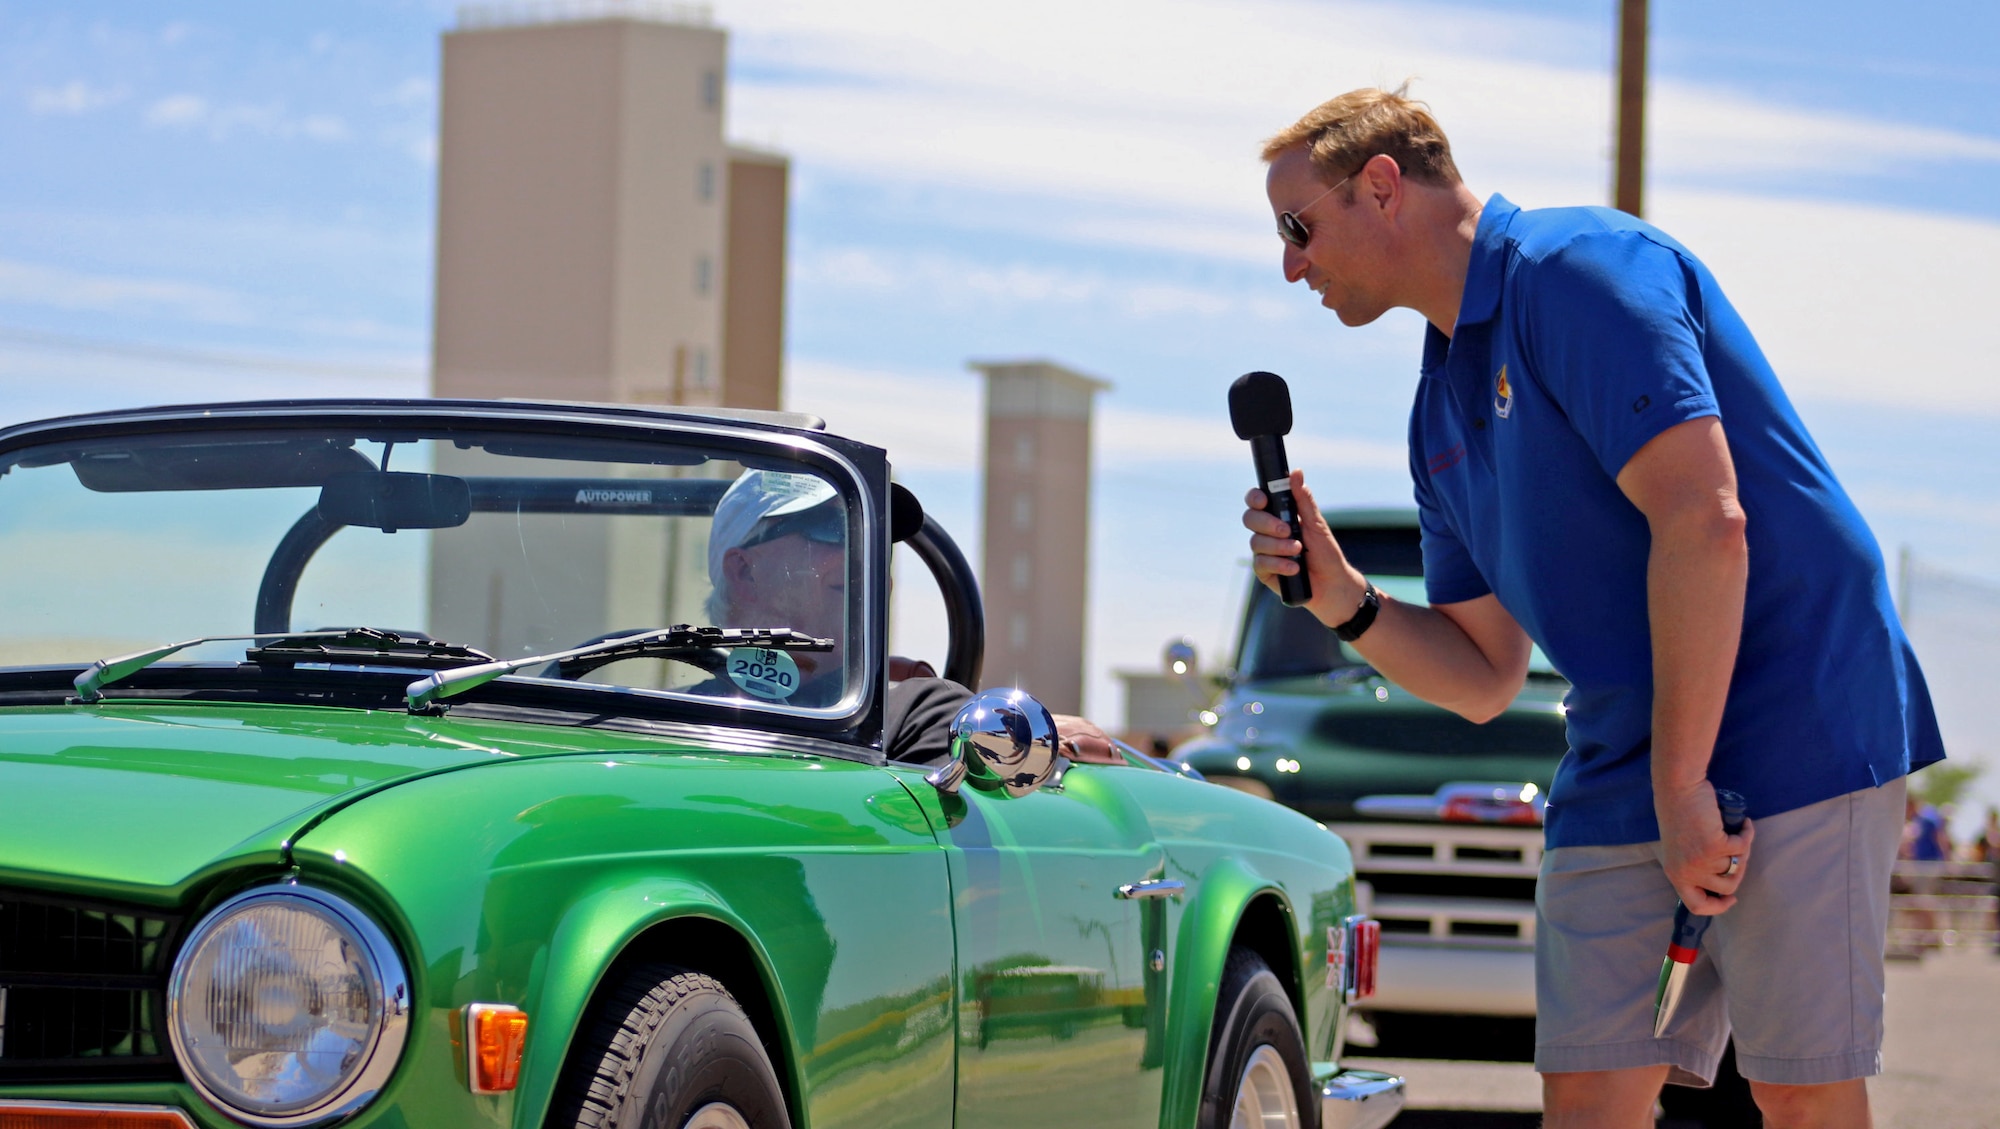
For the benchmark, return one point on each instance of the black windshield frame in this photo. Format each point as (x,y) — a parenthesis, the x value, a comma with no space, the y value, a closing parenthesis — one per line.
(861,472)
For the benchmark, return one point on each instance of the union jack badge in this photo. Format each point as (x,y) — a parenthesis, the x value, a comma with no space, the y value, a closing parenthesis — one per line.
(1336,956)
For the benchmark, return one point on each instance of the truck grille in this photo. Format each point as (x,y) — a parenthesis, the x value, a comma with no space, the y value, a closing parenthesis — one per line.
(83,991)
(1448,885)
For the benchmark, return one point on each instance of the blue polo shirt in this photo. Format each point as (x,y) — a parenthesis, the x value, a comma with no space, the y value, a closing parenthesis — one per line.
(1582,334)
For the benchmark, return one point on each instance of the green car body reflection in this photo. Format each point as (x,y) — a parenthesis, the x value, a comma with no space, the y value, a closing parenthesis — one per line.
(907,956)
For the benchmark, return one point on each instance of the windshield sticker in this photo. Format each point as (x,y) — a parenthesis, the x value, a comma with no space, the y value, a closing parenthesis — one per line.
(600,497)
(765,673)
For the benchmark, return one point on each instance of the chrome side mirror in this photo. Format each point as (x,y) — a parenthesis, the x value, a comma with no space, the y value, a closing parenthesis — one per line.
(1179,658)
(1003,742)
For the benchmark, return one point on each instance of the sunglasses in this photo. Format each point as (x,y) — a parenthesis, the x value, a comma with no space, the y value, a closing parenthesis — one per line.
(1293,230)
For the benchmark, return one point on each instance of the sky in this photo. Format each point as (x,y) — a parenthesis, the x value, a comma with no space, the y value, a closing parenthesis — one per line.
(206,200)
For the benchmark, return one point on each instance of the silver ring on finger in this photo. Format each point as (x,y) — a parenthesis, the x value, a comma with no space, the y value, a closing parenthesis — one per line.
(1735,864)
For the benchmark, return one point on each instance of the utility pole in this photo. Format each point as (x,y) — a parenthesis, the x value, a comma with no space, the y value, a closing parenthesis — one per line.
(1630,184)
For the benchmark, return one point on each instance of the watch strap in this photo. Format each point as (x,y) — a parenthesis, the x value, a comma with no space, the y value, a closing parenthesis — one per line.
(1371,602)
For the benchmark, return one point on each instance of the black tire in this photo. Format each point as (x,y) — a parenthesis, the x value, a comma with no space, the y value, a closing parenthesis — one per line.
(666,1043)
(1252,1011)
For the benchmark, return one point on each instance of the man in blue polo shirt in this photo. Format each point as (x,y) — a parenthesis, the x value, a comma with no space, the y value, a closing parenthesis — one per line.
(1605,465)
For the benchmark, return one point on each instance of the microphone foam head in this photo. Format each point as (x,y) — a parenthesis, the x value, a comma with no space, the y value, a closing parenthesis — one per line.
(1260,404)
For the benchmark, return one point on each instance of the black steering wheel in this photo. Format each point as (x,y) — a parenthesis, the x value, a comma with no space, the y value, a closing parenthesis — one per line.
(964,614)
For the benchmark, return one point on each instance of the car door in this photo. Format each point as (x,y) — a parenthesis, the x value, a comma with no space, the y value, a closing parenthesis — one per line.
(1062,980)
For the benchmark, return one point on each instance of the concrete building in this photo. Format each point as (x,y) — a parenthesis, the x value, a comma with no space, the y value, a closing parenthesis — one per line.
(1037,527)
(597,237)
(598,240)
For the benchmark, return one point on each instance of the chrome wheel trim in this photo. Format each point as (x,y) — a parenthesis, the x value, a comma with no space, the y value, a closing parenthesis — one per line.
(1264,1095)
(717,1115)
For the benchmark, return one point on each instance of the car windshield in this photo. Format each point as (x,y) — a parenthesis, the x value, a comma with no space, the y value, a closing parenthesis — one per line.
(1282,642)
(508,543)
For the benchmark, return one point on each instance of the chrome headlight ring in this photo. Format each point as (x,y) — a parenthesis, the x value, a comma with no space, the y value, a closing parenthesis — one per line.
(384,997)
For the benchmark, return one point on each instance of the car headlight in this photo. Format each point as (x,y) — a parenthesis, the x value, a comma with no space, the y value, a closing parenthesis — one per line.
(288,1007)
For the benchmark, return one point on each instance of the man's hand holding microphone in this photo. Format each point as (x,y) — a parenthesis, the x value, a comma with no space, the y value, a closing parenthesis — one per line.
(1293,551)
(1469,657)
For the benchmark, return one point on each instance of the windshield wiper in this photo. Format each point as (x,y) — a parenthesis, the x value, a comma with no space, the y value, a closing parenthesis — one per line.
(667,642)
(365,646)
(344,644)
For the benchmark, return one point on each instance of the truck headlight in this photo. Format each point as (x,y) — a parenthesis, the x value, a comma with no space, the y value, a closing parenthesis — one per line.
(288,1007)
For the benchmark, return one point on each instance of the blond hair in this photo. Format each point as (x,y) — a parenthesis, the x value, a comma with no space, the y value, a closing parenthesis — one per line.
(1340,136)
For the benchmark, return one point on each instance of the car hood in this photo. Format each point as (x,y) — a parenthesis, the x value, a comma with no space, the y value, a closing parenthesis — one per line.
(139,799)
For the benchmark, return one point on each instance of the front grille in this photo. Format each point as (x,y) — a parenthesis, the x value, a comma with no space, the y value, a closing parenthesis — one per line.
(83,990)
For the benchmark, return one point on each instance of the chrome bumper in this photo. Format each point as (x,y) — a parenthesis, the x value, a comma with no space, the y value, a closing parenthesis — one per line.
(1359,1099)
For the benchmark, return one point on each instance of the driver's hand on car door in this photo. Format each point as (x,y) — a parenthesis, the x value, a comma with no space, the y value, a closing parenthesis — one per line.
(1083,741)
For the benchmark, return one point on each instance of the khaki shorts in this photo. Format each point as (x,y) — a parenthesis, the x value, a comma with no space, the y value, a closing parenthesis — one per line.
(1795,967)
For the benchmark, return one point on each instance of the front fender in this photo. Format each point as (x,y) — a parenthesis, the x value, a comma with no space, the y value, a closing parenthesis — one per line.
(1202,943)
(598,925)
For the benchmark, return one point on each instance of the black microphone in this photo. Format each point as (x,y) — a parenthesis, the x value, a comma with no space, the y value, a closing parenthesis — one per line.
(1260,409)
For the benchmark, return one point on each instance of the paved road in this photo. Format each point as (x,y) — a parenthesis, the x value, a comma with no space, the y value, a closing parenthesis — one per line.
(1940,1067)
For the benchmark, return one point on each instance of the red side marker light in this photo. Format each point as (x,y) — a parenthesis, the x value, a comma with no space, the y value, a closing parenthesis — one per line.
(1367,935)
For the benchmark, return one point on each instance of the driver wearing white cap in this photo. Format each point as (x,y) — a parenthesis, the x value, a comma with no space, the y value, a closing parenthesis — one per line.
(777,557)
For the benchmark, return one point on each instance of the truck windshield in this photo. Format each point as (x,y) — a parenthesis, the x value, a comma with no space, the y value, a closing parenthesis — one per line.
(1282,642)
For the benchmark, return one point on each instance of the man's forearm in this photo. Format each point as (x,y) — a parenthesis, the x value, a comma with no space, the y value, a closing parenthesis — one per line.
(1431,654)
(1695,577)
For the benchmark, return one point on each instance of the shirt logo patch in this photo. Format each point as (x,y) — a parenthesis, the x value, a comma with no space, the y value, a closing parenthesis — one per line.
(1503,395)
(1445,460)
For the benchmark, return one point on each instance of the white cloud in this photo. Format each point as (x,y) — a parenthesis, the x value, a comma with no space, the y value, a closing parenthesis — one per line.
(73,98)
(34,284)
(927,421)
(191,111)
(179,109)
(416,90)
(1138,125)
(932,422)
(958,283)
(1854,302)
(1128,437)
(1161,103)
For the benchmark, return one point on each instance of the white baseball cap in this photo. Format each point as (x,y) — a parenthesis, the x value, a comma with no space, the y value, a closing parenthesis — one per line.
(760,496)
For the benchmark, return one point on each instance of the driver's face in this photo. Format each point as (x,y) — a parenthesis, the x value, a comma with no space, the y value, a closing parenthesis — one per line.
(791,582)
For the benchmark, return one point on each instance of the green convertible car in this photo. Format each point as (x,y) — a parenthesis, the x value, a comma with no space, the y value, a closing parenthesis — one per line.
(427,764)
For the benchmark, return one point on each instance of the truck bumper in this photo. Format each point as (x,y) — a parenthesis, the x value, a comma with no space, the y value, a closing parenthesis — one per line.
(1454,980)
(1359,1099)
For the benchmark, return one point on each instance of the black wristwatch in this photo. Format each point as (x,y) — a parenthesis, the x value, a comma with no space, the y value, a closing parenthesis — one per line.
(1371,602)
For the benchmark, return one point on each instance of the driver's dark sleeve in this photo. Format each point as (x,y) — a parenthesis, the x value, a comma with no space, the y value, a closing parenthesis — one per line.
(916,718)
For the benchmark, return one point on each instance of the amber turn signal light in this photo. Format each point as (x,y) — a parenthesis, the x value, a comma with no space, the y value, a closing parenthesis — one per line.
(68,1115)
(495,1036)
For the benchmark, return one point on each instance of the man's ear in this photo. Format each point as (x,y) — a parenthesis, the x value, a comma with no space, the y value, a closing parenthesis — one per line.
(736,568)
(1381,184)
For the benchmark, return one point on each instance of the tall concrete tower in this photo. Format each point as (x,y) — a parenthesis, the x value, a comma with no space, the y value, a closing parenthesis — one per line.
(586,203)
(1037,519)
(597,240)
